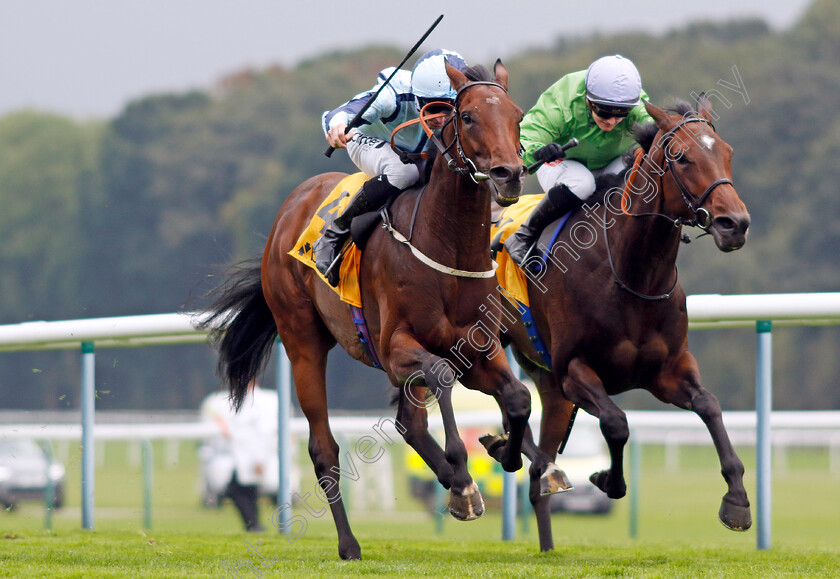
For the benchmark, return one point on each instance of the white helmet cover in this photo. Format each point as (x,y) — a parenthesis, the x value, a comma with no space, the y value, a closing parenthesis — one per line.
(429,79)
(613,81)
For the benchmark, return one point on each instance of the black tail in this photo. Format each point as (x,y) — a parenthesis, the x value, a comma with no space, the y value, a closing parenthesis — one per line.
(242,327)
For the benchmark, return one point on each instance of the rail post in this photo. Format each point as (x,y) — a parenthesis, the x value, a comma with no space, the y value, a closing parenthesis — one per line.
(284,413)
(148,468)
(88,409)
(763,408)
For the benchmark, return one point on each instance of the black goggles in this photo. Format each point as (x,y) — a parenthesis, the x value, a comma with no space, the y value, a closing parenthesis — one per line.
(608,112)
(436,105)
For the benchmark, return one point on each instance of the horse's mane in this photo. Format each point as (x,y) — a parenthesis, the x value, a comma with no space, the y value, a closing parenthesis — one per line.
(644,134)
(478,72)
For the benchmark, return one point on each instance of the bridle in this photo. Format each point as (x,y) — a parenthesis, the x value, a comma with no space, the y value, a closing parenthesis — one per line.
(702,217)
(467,166)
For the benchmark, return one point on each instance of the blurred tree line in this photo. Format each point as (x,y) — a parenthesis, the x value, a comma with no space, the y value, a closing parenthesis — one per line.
(136,214)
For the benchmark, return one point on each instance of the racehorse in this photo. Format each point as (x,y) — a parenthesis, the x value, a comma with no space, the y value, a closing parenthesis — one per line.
(417,312)
(610,310)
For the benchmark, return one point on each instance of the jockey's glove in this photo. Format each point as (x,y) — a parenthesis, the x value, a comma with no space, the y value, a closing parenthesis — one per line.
(550,152)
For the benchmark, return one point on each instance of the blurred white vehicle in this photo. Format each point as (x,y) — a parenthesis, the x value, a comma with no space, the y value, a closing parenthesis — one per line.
(23,473)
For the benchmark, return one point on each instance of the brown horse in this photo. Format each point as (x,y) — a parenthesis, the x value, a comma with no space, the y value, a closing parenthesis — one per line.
(610,309)
(429,320)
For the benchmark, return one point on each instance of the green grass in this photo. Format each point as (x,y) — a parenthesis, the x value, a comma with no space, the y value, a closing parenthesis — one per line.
(678,532)
(396,549)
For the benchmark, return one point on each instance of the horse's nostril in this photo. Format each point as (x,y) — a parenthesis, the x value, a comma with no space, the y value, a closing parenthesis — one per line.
(732,224)
(501,174)
(725,223)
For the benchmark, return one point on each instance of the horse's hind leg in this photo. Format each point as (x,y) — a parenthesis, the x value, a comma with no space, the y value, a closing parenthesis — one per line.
(308,362)
(494,377)
(682,388)
(416,368)
(583,387)
(412,421)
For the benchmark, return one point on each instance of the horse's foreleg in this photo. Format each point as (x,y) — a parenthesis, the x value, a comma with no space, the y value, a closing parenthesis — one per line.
(682,388)
(417,368)
(556,416)
(557,413)
(309,371)
(583,387)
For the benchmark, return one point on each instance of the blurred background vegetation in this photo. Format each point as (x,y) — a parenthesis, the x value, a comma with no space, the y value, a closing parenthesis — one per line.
(135,214)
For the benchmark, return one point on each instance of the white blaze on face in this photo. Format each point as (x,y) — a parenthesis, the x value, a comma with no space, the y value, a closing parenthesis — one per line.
(707,141)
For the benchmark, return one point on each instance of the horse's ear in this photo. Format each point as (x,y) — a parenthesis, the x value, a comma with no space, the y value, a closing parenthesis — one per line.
(663,119)
(455,76)
(501,73)
(704,107)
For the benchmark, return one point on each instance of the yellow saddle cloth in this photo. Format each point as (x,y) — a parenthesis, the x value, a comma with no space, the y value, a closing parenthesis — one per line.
(336,201)
(509,274)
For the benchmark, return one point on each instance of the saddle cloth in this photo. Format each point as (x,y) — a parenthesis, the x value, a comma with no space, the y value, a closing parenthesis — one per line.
(336,201)
(509,274)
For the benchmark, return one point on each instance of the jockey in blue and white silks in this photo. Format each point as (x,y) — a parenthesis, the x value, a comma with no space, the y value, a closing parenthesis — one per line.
(368,145)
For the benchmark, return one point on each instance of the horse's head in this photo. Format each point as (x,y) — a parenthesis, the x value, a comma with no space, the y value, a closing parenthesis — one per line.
(700,164)
(486,129)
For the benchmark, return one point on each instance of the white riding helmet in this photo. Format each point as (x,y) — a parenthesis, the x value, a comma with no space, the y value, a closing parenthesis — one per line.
(613,81)
(428,78)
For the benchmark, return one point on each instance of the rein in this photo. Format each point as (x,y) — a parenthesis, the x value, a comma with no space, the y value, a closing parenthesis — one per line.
(621,284)
(695,204)
(467,166)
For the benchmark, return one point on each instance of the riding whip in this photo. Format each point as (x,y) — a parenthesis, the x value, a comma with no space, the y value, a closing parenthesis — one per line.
(357,120)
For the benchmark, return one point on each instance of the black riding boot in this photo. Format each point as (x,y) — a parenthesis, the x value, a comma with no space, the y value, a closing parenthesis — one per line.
(327,249)
(558,201)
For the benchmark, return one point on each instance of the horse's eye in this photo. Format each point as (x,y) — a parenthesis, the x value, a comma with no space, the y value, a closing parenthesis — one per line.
(466,118)
(681,159)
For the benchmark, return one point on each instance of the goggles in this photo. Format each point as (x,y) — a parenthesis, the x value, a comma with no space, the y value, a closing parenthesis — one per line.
(437,105)
(607,112)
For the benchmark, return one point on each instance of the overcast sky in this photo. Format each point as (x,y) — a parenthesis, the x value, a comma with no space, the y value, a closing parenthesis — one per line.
(88,58)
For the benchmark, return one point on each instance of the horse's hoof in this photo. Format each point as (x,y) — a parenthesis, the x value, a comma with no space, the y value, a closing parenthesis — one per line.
(350,552)
(733,517)
(494,443)
(554,480)
(601,480)
(467,506)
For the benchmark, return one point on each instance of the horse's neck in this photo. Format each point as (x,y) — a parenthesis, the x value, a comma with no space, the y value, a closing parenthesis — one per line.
(645,248)
(453,221)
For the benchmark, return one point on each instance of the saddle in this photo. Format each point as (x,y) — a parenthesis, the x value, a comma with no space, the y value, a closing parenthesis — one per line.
(360,230)
(510,275)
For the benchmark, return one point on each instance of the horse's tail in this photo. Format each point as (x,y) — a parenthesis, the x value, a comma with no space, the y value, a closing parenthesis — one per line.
(242,327)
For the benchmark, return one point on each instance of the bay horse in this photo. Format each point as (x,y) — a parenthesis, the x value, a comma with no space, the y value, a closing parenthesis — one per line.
(428,320)
(611,312)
